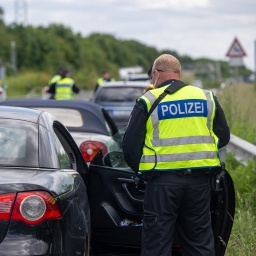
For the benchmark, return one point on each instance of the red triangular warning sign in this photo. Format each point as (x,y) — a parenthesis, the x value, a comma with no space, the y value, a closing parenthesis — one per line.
(236,50)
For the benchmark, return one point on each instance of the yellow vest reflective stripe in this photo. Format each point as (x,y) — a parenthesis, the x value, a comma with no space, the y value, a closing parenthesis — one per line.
(64,89)
(180,131)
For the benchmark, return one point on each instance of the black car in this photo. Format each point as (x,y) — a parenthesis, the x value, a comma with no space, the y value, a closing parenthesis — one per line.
(119,98)
(52,203)
(44,207)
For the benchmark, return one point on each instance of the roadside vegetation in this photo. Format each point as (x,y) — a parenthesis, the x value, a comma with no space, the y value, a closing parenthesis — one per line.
(239,105)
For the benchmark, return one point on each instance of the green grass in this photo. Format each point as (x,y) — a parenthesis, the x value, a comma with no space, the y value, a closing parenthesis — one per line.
(239,105)
(242,241)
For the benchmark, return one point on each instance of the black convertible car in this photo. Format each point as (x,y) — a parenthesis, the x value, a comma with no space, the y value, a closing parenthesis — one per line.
(44,208)
(52,203)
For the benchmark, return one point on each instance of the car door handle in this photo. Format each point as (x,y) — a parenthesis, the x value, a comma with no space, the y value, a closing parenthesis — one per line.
(134,200)
(125,183)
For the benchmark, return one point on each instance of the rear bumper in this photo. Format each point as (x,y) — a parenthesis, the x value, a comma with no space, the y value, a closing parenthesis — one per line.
(43,239)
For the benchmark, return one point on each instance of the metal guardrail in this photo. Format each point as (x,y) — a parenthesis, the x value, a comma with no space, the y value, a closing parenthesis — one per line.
(242,149)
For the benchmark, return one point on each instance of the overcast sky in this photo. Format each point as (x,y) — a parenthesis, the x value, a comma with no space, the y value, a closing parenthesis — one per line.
(198,28)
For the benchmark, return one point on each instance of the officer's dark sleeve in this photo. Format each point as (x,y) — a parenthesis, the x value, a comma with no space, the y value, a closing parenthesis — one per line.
(52,88)
(96,87)
(75,88)
(220,126)
(135,135)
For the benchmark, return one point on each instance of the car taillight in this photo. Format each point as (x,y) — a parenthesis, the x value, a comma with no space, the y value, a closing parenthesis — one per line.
(35,206)
(6,205)
(90,148)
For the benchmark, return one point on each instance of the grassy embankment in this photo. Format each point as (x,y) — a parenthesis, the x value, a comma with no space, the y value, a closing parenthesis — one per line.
(239,105)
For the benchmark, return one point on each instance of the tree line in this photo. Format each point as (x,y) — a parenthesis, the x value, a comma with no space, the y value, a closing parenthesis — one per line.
(45,49)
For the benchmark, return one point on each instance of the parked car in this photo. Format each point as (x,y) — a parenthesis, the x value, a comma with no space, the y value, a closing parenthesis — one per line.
(119,98)
(52,203)
(44,207)
(117,206)
(138,77)
(89,124)
(3,94)
(45,93)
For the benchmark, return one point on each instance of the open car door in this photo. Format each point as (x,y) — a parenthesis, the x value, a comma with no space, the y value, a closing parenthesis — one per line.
(116,205)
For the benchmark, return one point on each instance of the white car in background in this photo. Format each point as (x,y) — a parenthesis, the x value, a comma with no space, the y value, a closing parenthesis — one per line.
(3,95)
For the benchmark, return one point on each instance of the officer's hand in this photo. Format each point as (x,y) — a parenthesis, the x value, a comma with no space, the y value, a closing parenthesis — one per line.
(139,183)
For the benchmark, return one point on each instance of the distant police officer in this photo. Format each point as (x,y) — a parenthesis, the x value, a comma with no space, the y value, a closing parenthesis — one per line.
(175,148)
(105,77)
(64,88)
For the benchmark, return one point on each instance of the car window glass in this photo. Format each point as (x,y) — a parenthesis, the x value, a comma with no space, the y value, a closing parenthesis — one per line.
(119,94)
(13,142)
(68,117)
(48,154)
(62,155)
(18,143)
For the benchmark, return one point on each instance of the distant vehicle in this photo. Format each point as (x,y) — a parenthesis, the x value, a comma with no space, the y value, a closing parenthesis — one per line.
(197,83)
(138,77)
(44,207)
(45,94)
(119,98)
(89,124)
(3,95)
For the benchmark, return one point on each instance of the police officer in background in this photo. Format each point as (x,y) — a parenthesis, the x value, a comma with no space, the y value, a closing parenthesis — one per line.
(175,148)
(65,87)
(105,77)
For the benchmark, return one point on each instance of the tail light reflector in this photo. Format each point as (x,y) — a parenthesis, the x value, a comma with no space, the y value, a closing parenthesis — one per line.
(90,148)
(35,206)
(6,205)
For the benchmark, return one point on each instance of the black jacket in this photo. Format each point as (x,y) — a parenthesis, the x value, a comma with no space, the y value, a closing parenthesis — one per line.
(136,131)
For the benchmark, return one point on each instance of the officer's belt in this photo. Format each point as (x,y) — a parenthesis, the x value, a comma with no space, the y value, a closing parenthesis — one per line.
(185,172)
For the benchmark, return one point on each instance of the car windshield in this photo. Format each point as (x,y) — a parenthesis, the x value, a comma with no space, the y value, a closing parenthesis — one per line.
(18,143)
(119,94)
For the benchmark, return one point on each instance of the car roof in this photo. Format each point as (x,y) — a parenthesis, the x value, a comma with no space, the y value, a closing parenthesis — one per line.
(125,84)
(19,113)
(94,124)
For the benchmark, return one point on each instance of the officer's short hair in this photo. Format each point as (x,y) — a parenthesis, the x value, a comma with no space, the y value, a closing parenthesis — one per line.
(167,62)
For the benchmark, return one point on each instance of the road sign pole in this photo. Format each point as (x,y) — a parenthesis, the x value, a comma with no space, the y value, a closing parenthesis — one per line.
(255,60)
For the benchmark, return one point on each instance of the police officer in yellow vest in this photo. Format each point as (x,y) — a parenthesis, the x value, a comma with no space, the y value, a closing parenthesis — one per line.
(175,148)
(104,78)
(64,88)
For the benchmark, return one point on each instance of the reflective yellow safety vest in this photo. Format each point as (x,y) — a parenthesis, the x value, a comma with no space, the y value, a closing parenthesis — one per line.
(64,89)
(180,131)
(101,80)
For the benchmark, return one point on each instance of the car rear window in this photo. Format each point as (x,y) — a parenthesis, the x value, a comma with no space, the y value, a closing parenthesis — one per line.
(119,94)
(68,117)
(18,143)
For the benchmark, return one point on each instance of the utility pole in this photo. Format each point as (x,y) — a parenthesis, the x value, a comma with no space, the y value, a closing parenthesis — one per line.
(20,8)
(13,58)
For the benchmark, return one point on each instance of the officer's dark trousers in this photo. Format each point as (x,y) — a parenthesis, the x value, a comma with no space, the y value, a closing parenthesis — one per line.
(174,201)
